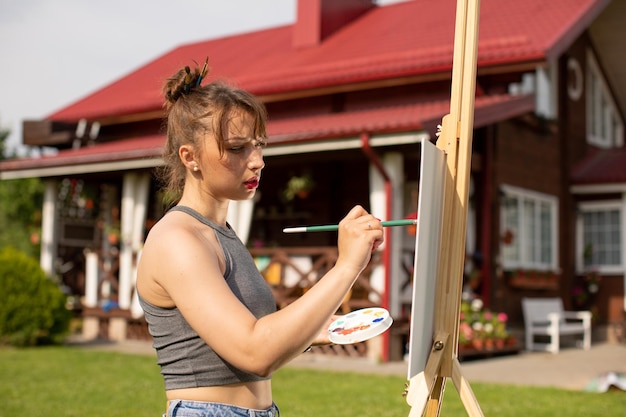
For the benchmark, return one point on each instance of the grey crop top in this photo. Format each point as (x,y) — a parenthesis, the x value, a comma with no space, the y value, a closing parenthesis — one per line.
(186,361)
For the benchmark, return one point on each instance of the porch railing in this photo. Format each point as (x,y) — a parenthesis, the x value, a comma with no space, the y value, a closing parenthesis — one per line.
(290,272)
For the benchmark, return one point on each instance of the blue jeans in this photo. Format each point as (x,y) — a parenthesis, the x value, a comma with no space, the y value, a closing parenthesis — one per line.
(184,408)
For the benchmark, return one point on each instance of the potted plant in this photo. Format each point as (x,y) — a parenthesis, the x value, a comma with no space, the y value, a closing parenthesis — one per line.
(112,234)
(481,328)
(298,186)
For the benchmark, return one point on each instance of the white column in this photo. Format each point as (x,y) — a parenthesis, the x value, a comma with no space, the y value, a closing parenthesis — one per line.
(91,279)
(126,249)
(48,226)
(142,191)
(378,208)
(91,324)
(135,192)
(240,217)
(393,163)
(135,308)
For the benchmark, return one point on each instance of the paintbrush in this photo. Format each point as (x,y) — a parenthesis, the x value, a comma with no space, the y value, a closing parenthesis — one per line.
(335,227)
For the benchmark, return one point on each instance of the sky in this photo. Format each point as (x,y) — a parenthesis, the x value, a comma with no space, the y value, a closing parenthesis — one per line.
(55,52)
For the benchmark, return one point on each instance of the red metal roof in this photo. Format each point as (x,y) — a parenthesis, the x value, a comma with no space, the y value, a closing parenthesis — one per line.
(145,147)
(403,39)
(415,117)
(605,166)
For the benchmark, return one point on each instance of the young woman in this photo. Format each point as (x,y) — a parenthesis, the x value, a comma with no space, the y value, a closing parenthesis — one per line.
(213,319)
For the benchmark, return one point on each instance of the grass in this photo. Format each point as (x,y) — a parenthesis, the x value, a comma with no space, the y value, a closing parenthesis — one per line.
(69,381)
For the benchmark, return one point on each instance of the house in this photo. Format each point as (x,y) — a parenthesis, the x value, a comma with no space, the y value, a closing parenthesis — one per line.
(352,89)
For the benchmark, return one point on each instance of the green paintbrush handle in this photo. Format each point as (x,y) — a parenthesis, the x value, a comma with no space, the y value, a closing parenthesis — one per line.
(335,227)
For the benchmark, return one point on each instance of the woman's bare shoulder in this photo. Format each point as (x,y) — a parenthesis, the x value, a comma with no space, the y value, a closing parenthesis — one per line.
(174,251)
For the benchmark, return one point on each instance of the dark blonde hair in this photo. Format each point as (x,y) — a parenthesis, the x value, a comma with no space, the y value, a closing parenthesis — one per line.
(192,110)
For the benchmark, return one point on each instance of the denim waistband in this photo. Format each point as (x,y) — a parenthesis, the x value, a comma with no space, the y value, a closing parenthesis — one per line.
(185,408)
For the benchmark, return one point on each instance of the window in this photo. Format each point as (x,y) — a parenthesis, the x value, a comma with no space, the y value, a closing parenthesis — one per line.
(599,236)
(604,125)
(528,227)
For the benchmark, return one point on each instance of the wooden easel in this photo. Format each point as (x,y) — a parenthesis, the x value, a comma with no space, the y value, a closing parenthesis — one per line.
(425,390)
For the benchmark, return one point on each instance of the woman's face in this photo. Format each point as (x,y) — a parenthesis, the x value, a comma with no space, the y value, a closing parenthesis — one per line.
(235,174)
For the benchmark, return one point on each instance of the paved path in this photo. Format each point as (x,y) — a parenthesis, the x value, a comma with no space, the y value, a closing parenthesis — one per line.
(571,368)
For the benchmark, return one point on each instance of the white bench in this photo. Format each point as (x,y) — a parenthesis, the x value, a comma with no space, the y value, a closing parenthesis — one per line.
(545,317)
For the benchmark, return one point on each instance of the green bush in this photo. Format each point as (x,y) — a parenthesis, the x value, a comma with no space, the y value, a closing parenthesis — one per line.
(20,214)
(32,308)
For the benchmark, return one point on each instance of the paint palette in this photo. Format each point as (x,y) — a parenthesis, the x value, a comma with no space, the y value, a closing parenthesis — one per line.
(359,325)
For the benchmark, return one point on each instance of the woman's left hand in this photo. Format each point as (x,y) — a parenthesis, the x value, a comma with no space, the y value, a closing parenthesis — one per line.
(322,337)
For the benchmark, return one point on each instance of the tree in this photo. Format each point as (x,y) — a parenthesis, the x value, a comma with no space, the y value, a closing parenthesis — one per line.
(4,134)
(21,201)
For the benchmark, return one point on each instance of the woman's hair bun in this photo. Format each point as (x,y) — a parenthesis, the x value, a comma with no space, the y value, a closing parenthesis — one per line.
(184,82)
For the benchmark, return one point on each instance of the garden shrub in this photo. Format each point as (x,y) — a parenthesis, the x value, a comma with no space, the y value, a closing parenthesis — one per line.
(32,308)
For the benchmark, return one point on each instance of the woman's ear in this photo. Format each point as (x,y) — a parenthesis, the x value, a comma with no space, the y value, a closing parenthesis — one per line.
(187,156)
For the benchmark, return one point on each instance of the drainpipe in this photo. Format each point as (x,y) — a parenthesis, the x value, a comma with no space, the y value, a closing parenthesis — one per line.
(375,159)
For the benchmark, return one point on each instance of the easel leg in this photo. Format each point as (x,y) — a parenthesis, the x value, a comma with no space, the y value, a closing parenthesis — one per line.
(422,387)
(433,407)
(465,391)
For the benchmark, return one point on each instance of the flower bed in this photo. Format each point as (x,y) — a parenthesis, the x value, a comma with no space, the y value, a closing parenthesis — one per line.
(482,330)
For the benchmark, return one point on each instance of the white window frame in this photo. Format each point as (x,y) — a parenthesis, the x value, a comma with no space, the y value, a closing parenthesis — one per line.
(605,128)
(527,260)
(595,206)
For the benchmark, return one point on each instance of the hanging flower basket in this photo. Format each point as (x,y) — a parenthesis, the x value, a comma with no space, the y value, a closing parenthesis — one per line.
(507,237)
(298,186)
(534,280)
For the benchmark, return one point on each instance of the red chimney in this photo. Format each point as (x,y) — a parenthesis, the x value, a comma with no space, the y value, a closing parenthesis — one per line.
(317,19)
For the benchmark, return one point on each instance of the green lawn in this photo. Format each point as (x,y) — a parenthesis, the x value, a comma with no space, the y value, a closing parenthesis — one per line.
(69,381)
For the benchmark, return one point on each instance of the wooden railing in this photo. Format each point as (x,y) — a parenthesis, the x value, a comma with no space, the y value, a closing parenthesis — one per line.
(290,272)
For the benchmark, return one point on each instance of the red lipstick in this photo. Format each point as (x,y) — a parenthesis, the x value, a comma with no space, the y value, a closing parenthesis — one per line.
(252,183)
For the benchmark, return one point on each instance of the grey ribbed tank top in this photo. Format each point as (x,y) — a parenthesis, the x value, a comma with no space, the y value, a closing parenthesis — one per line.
(186,361)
